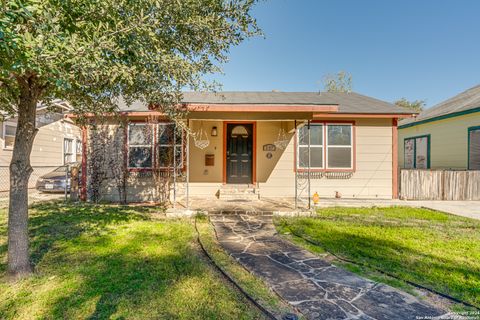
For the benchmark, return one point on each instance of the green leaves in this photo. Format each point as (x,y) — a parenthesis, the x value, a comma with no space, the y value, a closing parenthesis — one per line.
(415,106)
(90,51)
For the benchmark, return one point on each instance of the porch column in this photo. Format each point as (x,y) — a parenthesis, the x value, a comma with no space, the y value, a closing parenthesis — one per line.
(187,160)
(308,170)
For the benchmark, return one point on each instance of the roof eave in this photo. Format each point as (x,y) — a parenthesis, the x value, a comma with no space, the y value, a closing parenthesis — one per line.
(440,117)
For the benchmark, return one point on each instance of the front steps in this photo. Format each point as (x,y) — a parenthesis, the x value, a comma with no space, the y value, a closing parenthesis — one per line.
(238,192)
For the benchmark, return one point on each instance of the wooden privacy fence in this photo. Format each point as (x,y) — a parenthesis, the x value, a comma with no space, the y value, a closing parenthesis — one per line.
(417,184)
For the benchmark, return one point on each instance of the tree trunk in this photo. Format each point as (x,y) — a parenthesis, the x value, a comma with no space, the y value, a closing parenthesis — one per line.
(20,171)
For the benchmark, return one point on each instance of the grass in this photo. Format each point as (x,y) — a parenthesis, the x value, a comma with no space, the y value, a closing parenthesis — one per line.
(112,262)
(252,285)
(434,249)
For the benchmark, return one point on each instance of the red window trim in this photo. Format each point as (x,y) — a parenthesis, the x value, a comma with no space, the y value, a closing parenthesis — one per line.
(154,149)
(325,169)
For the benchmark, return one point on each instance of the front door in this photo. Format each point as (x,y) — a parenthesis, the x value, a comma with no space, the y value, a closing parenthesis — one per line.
(239,152)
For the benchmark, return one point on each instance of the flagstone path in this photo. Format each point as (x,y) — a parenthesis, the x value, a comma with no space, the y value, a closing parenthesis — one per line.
(315,287)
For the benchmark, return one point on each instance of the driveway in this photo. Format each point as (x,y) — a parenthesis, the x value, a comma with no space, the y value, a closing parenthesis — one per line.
(318,289)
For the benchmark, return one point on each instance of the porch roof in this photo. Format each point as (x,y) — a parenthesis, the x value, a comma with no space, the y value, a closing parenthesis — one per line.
(316,102)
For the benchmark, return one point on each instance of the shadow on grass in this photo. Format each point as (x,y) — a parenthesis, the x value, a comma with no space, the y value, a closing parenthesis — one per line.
(125,277)
(456,277)
(99,262)
(53,221)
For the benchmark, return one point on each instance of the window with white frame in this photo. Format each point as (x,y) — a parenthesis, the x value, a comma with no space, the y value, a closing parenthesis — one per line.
(68,155)
(140,142)
(316,147)
(331,146)
(339,146)
(9,130)
(169,145)
(78,150)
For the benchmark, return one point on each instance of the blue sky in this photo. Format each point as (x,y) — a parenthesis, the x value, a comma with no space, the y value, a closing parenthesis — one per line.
(422,49)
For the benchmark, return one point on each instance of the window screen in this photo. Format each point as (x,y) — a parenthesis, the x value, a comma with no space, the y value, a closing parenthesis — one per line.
(68,151)
(339,146)
(140,145)
(170,139)
(474,148)
(417,152)
(316,147)
(9,131)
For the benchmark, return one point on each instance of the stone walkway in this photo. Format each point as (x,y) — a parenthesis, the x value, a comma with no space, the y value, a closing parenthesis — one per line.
(317,288)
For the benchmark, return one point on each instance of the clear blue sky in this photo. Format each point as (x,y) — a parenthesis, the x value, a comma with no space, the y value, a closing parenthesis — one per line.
(418,49)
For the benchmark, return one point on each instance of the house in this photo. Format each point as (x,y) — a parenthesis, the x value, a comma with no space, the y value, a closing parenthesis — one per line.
(58,141)
(234,144)
(446,136)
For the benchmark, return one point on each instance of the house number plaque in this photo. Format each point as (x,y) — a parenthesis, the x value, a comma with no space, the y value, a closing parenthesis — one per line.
(269,147)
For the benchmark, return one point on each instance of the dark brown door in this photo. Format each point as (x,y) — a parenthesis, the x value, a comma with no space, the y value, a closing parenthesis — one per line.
(239,152)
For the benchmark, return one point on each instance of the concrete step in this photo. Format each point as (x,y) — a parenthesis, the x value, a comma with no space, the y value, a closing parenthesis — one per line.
(232,192)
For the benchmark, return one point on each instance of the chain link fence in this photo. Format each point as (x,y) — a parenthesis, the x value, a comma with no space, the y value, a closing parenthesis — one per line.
(45,190)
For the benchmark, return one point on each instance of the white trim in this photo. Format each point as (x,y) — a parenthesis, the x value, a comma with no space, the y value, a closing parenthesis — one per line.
(327,124)
(140,145)
(72,140)
(298,145)
(174,145)
(4,124)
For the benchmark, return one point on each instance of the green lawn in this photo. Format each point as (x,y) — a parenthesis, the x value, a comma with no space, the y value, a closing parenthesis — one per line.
(98,262)
(431,248)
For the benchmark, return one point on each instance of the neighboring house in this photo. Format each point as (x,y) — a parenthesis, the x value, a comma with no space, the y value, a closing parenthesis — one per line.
(255,140)
(446,136)
(58,141)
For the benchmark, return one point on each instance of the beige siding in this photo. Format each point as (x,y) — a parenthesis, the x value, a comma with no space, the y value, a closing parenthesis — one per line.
(47,151)
(276,176)
(48,145)
(448,140)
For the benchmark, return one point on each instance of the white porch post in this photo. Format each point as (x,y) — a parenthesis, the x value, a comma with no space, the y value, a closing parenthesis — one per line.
(308,195)
(174,166)
(187,149)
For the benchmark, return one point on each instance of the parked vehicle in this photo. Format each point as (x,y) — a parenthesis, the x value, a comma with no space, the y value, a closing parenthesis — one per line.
(56,180)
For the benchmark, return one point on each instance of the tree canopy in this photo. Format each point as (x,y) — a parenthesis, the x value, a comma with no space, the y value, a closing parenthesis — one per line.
(416,106)
(92,52)
(339,82)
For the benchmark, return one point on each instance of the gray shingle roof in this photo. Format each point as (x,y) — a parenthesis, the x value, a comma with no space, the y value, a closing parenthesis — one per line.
(463,102)
(347,102)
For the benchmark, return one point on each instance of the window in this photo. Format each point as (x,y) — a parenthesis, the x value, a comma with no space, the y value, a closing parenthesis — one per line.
(474,148)
(78,150)
(331,146)
(9,130)
(170,140)
(140,141)
(154,145)
(339,146)
(316,147)
(417,152)
(67,151)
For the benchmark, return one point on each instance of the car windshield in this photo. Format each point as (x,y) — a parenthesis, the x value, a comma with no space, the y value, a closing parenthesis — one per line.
(60,169)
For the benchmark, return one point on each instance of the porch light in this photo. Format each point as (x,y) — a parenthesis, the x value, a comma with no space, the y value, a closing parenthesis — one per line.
(214,132)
